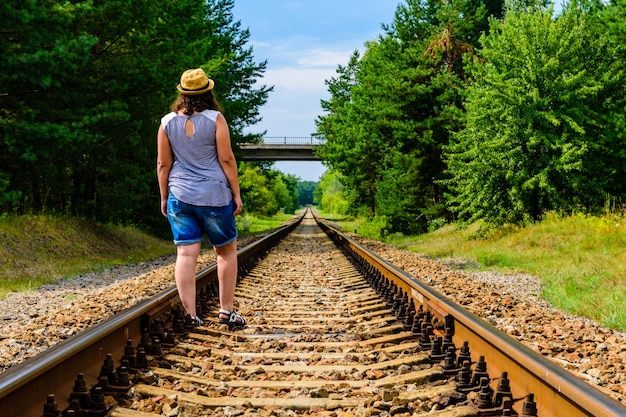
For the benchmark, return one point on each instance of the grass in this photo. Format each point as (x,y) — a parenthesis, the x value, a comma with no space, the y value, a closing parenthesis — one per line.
(38,250)
(580,259)
(251,225)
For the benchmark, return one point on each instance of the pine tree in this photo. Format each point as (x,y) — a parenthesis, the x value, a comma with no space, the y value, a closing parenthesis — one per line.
(393,109)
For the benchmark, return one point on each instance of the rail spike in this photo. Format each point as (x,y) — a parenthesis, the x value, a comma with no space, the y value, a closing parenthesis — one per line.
(464,355)
(429,318)
(503,390)
(480,372)
(529,407)
(51,407)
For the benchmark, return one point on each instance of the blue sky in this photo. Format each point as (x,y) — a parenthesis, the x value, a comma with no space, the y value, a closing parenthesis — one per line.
(303,42)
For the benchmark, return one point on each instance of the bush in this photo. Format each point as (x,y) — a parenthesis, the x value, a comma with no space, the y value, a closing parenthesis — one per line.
(244,222)
(374,228)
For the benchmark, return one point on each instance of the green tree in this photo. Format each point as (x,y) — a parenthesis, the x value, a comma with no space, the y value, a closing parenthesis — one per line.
(256,196)
(267,192)
(305,191)
(612,23)
(290,204)
(342,148)
(40,52)
(82,88)
(281,195)
(331,194)
(540,122)
(235,70)
(391,111)
(284,190)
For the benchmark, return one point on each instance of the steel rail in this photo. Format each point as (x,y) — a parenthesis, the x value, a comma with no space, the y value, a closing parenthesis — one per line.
(556,391)
(25,387)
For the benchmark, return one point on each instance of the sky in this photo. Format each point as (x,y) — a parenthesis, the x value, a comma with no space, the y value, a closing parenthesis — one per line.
(304,41)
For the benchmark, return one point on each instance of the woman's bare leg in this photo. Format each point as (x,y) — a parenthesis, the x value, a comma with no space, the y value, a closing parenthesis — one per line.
(227,274)
(185,274)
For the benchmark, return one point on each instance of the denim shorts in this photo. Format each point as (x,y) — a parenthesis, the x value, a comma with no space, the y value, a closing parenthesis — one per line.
(189,223)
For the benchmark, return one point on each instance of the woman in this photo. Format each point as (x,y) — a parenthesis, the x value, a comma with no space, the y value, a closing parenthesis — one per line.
(199,187)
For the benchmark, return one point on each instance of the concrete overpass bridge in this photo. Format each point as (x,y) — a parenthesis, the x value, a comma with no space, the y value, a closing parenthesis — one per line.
(281,148)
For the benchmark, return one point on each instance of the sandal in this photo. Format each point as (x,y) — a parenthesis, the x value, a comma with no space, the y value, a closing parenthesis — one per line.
(196,321)
(233,319)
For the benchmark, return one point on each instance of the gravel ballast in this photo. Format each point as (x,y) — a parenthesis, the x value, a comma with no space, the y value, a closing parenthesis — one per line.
(34,321)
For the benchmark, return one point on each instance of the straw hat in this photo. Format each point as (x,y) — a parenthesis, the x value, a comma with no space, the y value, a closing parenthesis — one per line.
(194,82)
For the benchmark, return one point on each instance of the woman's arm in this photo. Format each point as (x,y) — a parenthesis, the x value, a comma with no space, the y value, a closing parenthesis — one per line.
(164,166)
(227,161)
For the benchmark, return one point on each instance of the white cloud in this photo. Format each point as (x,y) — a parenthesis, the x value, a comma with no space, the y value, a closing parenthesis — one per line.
(259,44)
(299,86)
(303,43)
(289,115)
(290,79)
(324,58)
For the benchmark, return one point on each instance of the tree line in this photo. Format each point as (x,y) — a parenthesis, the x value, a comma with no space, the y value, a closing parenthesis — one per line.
(83,86)
(486,110)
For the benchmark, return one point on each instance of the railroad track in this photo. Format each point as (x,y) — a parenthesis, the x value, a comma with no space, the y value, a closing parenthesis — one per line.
(332,331)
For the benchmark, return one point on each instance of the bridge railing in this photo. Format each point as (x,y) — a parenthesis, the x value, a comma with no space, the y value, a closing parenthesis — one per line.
(291,140)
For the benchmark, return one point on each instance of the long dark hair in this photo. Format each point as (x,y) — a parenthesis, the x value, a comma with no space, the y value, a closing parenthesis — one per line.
(198,103)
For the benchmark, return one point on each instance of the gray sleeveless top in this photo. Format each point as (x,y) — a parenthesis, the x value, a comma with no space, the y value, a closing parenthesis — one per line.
(196,176)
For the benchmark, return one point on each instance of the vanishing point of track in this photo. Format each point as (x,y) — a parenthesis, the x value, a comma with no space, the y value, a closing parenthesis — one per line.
(332,331)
